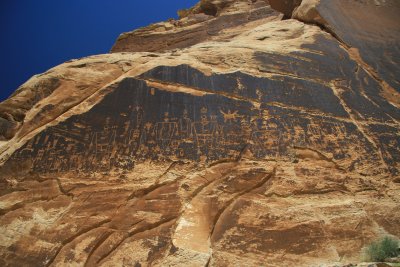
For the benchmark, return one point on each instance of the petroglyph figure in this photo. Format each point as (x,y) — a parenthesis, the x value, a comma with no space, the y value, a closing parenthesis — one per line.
(165,131)
(230,116)
(266,138)
(206,130)
(185,126)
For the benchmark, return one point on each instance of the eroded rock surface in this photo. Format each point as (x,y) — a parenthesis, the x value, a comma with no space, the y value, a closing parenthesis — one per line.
(231,137)
(206,21)
(370,29)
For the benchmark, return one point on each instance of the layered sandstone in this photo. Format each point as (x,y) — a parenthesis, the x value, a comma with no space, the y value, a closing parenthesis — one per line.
(234,136)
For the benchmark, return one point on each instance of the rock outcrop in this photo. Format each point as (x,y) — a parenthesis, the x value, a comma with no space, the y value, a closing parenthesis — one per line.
(246,133)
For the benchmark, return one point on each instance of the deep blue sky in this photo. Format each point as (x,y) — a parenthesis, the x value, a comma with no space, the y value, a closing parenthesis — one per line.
(36,35)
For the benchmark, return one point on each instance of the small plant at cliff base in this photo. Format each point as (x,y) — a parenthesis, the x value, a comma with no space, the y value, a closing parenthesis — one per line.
(382,249)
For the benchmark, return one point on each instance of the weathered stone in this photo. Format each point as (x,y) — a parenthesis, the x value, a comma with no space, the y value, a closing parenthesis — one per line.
(285,6)
(371,28)
(231,137)
(194,29)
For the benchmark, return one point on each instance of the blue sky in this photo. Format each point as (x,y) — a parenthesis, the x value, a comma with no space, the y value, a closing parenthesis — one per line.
(39,34)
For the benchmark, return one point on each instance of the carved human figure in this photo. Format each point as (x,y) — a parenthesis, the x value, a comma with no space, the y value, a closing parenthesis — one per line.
(185,125)
(265,137)
(206,130)
(165,131)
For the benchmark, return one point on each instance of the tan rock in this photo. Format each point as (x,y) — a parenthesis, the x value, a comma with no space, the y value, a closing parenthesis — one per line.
(246,140)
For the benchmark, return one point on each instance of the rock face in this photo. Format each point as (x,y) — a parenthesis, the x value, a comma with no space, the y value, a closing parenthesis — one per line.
(234,136)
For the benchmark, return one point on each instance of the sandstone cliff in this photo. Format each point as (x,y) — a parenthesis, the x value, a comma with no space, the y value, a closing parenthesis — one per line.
(246,133)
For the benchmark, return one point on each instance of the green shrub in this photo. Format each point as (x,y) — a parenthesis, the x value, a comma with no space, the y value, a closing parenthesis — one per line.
(382,249)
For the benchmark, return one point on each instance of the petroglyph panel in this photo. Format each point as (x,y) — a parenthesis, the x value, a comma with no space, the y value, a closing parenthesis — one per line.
(310,112)
(137,122)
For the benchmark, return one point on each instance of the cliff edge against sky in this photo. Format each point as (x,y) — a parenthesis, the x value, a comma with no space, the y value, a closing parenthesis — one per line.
(246,133)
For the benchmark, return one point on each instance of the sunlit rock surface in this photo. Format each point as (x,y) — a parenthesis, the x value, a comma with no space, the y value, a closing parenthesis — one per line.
(234,136)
